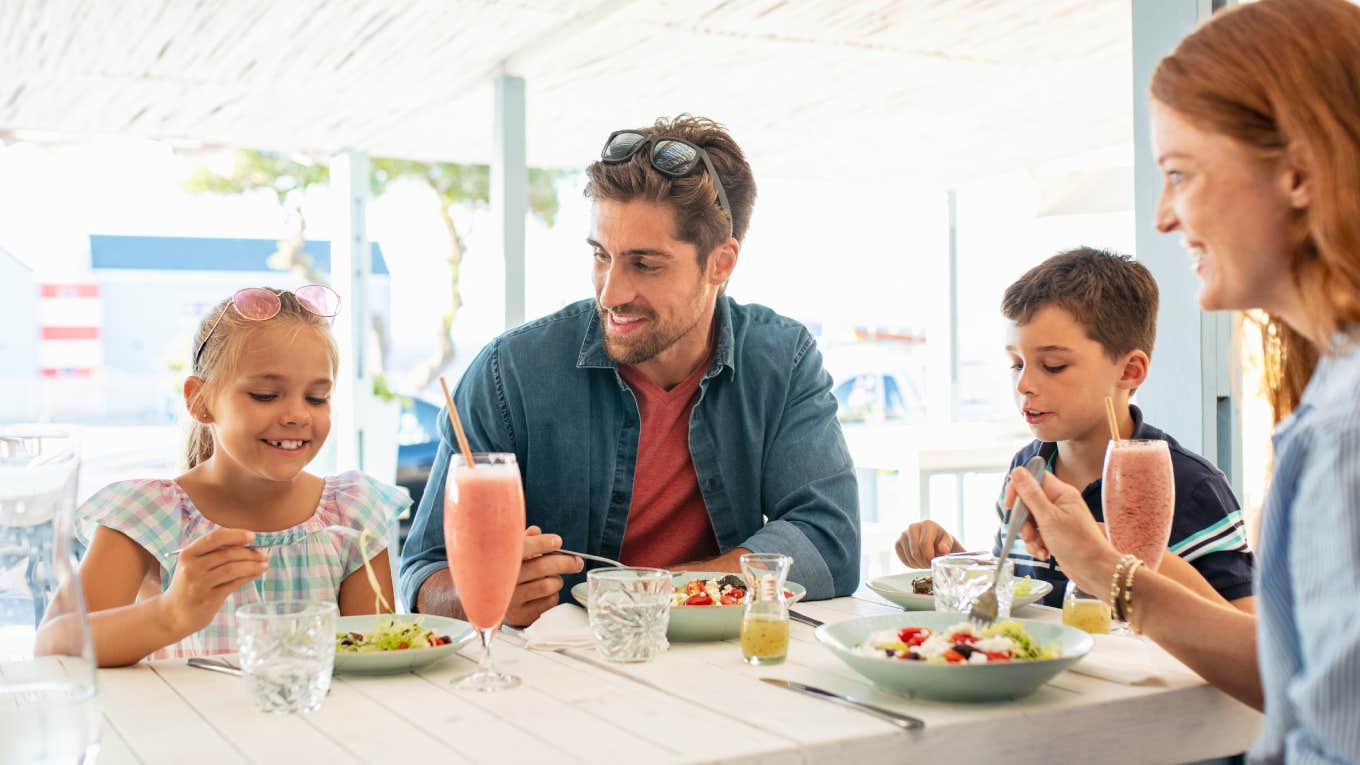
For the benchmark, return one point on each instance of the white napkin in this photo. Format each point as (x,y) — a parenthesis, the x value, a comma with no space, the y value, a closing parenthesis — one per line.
(1120,659)
(561,627)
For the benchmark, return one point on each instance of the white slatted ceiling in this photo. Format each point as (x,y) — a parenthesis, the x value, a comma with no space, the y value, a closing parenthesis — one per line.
(920,87)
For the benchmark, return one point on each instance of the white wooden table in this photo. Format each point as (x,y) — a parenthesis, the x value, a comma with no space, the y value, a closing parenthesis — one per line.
(697,703)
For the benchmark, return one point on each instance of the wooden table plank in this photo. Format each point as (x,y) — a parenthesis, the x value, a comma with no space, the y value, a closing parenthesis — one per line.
(596,715)
(157,723)
(222,700)
(703,672)
(697,703)
(113,750)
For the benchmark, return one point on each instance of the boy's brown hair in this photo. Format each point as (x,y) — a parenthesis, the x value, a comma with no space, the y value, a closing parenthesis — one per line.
(1112,296)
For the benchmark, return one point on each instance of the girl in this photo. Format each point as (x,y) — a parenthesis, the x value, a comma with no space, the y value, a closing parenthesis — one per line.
(245,523)
(1254,128)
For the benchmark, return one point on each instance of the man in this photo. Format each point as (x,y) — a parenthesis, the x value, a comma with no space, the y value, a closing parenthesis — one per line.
(662,423)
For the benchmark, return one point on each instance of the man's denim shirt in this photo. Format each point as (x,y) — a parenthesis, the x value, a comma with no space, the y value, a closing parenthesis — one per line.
(770,457)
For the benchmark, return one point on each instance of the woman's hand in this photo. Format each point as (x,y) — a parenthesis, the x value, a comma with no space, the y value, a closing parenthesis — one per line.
(209,569)
(1060,526)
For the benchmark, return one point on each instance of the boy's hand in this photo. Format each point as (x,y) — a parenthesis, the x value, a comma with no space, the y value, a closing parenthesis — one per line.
(540,577)
(209,569)
(924,541)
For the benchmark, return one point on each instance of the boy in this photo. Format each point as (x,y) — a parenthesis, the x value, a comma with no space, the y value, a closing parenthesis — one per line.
(1082,325)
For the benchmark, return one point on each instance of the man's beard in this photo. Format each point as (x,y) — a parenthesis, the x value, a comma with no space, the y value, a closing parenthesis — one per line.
(632,351)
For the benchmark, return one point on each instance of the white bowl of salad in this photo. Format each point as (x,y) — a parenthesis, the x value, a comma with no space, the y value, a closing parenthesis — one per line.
(940,656)
(385,644)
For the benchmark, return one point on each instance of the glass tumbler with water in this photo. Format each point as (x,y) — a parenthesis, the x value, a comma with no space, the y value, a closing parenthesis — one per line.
(48,709)
(629,611)
(960,578)
(287,652)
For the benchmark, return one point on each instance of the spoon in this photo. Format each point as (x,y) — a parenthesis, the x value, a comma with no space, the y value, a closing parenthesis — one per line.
(586,556)
(344,531)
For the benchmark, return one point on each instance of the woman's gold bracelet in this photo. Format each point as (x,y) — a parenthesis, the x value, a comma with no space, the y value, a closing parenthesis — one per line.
(1121,577)
(1127,595)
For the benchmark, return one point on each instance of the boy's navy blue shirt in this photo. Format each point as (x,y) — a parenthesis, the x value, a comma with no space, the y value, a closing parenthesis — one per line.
(1207,530)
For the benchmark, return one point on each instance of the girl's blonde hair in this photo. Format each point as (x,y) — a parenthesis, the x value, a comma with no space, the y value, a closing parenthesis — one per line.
(222,355)
(1276,76)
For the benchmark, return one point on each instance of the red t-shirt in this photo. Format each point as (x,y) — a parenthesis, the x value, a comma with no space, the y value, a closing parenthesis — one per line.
(667,520)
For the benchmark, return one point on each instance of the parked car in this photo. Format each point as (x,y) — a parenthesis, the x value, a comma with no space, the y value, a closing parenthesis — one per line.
(875,397)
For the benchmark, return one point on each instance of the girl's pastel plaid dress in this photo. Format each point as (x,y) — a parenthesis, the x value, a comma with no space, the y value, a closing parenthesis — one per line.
(306,562)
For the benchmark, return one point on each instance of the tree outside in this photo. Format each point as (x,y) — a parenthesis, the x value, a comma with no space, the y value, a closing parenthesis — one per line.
(458,191)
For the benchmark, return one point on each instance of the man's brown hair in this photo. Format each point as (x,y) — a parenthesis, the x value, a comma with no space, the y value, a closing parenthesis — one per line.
(1112,296)
(694,199)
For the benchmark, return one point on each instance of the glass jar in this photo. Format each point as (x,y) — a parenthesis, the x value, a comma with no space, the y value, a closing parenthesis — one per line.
(1085,611)
(765,624)
(48,709)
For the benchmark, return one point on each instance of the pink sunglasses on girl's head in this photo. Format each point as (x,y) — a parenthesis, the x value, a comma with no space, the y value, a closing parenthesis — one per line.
(260,304)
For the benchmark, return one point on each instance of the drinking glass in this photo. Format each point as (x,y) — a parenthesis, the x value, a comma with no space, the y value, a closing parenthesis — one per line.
(1138,493)
(484,535)
(48,708)
(629,611)
(961,577)
(287,653)
(765,625)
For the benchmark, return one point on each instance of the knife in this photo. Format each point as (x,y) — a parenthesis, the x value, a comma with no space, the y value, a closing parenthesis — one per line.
(905,722)
(804,619)
(215,665)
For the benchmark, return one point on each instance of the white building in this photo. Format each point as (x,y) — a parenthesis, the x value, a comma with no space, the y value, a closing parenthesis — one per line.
(154,292)
(18,340)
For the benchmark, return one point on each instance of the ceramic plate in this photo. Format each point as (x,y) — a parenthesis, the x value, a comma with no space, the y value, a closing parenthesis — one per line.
(392,662)
(952,682)
(699,623)
(897,588)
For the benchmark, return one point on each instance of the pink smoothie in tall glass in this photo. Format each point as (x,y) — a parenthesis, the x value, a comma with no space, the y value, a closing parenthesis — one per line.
(484,535)
(1139,495)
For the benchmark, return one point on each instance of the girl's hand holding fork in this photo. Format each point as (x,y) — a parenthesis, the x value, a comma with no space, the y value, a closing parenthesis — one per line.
(208,570)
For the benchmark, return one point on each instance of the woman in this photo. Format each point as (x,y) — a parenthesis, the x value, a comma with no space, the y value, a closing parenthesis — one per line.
(1256,128)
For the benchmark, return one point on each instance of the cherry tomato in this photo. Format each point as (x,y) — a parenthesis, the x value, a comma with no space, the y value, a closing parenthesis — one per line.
(907,633)
(964,637)
(699,599)
(998,656)
(403,644)
(728,600)
(953,657)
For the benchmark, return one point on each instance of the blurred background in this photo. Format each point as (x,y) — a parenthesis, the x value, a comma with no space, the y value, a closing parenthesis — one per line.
(425,158)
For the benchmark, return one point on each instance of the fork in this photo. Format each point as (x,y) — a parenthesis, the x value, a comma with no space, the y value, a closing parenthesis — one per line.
(587,556)
(983,612)
(341,530)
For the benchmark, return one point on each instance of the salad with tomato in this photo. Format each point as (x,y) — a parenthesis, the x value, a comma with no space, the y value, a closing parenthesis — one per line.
(391,635)
(961,644)
(729,590)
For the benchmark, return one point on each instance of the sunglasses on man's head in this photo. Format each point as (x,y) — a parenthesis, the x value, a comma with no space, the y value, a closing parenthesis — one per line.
(672,157)
(262,304)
